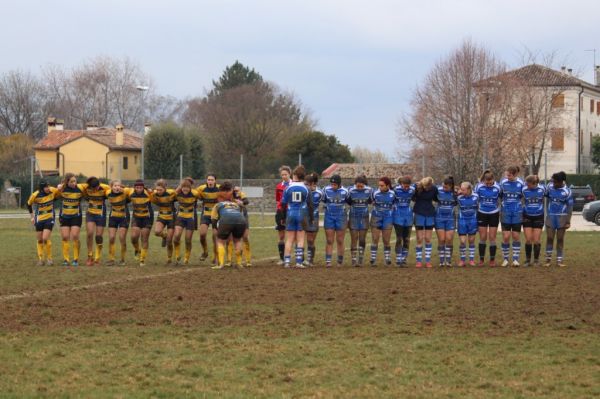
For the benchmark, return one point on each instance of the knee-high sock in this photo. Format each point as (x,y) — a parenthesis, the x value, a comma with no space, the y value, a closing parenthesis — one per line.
(442,253)
(238,257)
(419,253)
(136,246)
(449,250)
(49,249)
(311,253)
(472,251)
(505,250)
(299,255)
(387,253)
(123,251)
(169,250)
(537,248)
(516,248)
(143,253)
(428,252)
(373,252)
(98,248)
(247,252)
(482,246)
(66,249)
(76,248)
(112,249)
(492,250)
(354,254)
(281,249)
(528,248)
(40,250)
(188,250)
(221,254)
(463,252)
(177,249)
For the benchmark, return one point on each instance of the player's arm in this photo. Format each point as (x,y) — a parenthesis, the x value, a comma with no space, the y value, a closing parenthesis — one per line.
(214,215)
(30,203)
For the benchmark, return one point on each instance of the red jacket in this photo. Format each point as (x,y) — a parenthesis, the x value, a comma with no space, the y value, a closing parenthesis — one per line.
(279,189)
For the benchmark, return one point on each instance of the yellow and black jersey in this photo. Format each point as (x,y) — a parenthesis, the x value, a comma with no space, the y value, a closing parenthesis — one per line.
(208,196)
(187,204)
(118,203)
(41,204)
(165,203)
(141,204)
(96,199)
(71,201)
(240,195)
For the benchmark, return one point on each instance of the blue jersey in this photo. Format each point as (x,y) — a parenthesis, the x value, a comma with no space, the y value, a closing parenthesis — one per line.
(560,200)
(534,200)
(403,199)
(446,203)
(359,201)
(335,201)
(317,197)
(512,195)
(468,206)
(295,198)
(489,197)
(383,202)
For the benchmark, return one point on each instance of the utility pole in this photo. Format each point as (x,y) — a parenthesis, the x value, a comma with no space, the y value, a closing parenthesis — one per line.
(593,50)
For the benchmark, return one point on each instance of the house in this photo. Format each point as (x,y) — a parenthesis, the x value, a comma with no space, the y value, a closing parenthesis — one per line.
(575,106)
(371,170)
(110,153)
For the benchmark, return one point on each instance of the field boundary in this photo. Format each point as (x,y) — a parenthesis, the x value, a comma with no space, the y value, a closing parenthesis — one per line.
(35,294)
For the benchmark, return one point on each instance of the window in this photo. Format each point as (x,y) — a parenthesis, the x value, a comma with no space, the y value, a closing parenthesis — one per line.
(591,106)
(597,107)
(558,101)
(558,139)
(57,160)
(125,162)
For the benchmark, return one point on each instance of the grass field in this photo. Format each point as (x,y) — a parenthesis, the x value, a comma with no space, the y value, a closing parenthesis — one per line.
(267,332)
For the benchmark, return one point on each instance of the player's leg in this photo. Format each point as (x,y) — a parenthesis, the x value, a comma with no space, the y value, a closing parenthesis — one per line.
(550,233)
(99,238)
(122,232)
(135,240)
(177,242)
(449,247)
(354,245)
(46,238)
(375,235)
(203,231)
(516,244)
(90,230)
(427,238)
(144,238)
(189,234)
(536,234)
(560,245)
(463,249)
(528,233)
(329,238)
(340,234)
(112,237)
(169,238)
(506,233)
(65,236)
(386,236)
(74,236)
(492,232)
(300,235)
(441,236)
(362,244)
(419,247)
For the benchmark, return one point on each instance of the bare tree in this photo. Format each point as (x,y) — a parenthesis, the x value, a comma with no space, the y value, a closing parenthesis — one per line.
(365,155)
(23,104)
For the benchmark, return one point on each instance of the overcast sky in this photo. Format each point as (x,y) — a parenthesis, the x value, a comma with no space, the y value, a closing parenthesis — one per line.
(354,64)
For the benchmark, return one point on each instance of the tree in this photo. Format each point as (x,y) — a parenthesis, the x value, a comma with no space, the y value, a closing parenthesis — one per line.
(163,145)
(596,151)
(23,104)
(318,150)
(365,155)
(235,75)
(193,164)
(14,153)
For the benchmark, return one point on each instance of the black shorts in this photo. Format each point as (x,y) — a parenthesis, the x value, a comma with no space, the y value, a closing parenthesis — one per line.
(533,222)
(488,219)
(280,220)
(205,219)
(74,221)
(169,224)
(417,228)
(235,230)
(511,227)
(142,223)
(188,224)
(117,223)
(44,225)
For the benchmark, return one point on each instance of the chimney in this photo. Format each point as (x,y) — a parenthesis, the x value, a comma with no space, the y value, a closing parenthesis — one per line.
(91,126)
(147,127)
(119,134)
(51,124)
(570,70)
(597,75)
(60,124)
(563,69)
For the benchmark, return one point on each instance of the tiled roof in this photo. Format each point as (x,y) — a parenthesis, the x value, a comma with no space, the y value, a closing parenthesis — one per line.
(107,136)
(371,170)
(538,75)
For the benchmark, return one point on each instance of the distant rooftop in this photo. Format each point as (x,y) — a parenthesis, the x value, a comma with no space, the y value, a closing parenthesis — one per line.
(103,135)
(371,170)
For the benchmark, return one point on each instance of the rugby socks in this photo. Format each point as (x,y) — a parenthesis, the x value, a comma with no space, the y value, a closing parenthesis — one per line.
(177,249)
(76,248)
(40,250)
(65,250)
(143,253)
(299,255)
(516,248)
(427,253)
(169,251)
(98,248)
(442,254)
(247,252)
(537,248)
(340,260)
(493,250)
(361,252)
(373,253)
(549,249)
(399,253)
(48,249)
(238,257)
(505,250)
(188,251)
(463,252)
(482,246)
(559,255)
(405,253)
(472,251)
(387,252)
(419,253)
(311,254)
(281,249)
(111,251)
(354,255)
(124,251)
(528,248)
(220,254)
(328,259)
(449,252)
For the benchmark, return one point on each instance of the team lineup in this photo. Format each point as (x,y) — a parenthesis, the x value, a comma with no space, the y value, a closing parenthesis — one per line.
(466,209)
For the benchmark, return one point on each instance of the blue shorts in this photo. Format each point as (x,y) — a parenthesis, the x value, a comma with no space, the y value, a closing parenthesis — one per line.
(556,221)
(295,221)
(424,221)
(44,225)
(467,226)
(337,222)
(512,218)
(99,220)
(314,226)
(359,222)
(381,220)
(118,222)
(404,219)
(445,224)
(186,223)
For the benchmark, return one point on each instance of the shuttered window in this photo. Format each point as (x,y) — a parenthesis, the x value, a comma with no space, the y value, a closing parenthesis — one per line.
(558,139)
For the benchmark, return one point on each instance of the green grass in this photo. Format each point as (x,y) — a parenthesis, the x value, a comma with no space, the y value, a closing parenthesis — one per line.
(268,332)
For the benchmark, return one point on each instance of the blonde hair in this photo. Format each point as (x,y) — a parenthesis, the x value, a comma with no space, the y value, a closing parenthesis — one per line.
(425,183)
(115,182)
(467,185)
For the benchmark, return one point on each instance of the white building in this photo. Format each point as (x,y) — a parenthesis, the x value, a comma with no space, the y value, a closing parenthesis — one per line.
(576,109)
